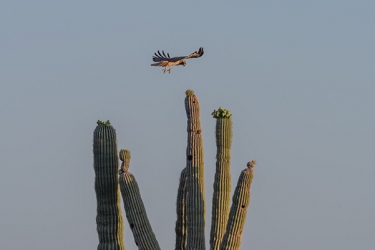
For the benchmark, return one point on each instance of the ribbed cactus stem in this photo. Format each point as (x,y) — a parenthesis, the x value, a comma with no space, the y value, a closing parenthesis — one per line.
(222,182)
(108,219)
(181,230)
(195,200)
(240,203)
(135,210)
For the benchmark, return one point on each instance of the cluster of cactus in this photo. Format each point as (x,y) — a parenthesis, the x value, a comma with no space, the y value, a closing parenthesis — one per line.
(221,113)
(227,221)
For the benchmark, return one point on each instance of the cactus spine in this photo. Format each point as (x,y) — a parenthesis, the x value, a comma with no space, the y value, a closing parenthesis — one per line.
(181,231)
(135,210)
(238,211)
(222,182)
(195,200)
(109,219)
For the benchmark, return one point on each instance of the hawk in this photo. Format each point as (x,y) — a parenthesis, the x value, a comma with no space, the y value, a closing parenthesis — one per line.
(165,61)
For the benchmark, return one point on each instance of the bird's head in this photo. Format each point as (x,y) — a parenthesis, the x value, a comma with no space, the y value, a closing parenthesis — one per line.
(182,62)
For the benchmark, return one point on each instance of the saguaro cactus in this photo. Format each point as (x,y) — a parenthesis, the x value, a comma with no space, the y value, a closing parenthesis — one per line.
(222,181)
(135,210)
(238,211)
(108,219)
(195,200)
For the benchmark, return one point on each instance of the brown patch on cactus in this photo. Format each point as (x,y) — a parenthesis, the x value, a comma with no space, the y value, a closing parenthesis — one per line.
(251,164)
(124,154)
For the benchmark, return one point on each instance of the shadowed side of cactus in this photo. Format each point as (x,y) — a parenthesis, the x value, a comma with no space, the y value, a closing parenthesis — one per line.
(222,182)
(181,230)
(195,200)
(135,210)
(108,219)
(238,211)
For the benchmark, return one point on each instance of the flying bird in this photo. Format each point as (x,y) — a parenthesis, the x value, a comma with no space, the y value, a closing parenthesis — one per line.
(165,61)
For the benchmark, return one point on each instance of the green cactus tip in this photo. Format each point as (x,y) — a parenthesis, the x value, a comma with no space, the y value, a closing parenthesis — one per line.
(221,113)
(189,92)
(101,123)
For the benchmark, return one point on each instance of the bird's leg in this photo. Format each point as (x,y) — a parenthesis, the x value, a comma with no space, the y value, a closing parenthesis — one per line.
(164,69)
(170,69)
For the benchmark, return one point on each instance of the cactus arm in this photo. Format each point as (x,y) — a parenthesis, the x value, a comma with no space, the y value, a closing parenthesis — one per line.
(195,200)
(222,182)
(109,219)
(240,203)
(181,231)
(135,210)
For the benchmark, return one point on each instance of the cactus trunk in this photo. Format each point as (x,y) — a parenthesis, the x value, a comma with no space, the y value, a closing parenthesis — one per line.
(135,210)
(237,215)
(222,182)
(109,219)
(195,200)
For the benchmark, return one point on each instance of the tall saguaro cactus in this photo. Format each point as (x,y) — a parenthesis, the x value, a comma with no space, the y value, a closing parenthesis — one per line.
(195,200)
(222,182)
(109,219)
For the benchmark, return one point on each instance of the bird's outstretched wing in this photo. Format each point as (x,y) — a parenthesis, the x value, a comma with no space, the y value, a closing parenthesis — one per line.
(158,57)
(196,54)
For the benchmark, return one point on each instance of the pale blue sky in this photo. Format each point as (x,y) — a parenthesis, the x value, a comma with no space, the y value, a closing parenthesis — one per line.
(299,77)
